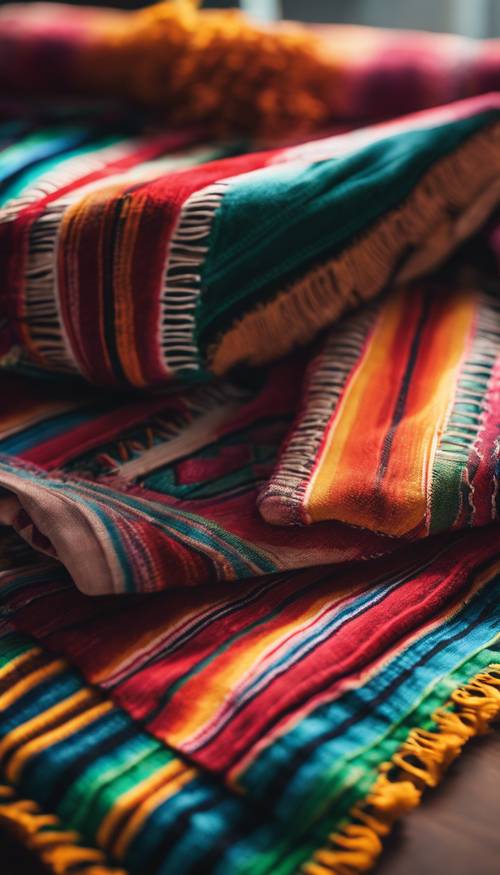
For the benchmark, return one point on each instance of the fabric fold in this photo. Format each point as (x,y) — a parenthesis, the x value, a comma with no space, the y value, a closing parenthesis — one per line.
(397,426)
(250,399)
(268,705)
(170,500)
(125,267)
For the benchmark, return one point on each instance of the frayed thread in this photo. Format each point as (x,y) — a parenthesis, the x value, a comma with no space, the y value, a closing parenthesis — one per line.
(419,763)
(450,202)
(59,849)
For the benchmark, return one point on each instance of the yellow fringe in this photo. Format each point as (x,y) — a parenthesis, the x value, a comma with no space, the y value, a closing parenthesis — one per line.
(451,201)
(58,848)
(420,762)
(212,67)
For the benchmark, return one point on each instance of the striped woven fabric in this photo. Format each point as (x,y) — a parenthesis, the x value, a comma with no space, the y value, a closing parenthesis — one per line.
(277,726)
(398,424)
(171,270)
(250,399)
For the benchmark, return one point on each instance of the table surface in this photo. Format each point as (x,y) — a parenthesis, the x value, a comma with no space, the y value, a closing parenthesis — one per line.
(456,829)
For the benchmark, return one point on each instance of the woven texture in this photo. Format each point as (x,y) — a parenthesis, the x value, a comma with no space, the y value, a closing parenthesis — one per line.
(250,399)
(397,430)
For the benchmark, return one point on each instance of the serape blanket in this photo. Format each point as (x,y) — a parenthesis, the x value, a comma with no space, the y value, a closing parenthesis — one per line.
(249,460)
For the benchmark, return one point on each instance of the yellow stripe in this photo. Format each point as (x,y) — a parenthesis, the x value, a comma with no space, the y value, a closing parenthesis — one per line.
(18,660)
(342,432)
(130,798)
(124,312)
(18,761)
(141,813)
(201,697)
(31,727)
(341,487)
(27,683)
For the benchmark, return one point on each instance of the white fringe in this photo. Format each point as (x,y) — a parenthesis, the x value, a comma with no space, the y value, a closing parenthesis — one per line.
(43,315)
(464,425)
(182,278)
(323,390)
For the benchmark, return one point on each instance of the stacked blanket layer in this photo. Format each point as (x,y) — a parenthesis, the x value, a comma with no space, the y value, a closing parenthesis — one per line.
(270,375)
(219,68)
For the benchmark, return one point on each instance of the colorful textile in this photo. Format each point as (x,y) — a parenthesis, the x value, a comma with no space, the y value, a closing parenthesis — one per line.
(193,66)
(186,65)
(397,430)
(232,730)
(250,399)
(131,273)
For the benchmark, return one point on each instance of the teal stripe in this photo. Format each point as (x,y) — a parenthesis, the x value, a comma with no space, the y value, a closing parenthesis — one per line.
(314,778)
(308,214)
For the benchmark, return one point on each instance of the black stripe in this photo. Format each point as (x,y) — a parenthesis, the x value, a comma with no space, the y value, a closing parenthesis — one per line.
(402,398)
(175,832)
(61,784)
(400,578)
(54,723)
(277,787)
(340,676)
(111,244)
(30,665)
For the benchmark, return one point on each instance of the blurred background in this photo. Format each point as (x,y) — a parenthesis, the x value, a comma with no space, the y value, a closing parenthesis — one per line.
(470,17)
(478,18)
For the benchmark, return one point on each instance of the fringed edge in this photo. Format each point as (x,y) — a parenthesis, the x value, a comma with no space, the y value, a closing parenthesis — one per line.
(472,396)
(44,333)
(419,763)
(446,206)
(59,849)
(182,278)
(281,501)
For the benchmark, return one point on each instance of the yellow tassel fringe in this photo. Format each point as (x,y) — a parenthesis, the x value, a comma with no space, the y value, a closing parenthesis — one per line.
(421,762)
(57,848)
(451,201)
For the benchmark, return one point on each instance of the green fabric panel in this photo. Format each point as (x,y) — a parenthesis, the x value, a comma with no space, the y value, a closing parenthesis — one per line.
(446,494)
(275,223)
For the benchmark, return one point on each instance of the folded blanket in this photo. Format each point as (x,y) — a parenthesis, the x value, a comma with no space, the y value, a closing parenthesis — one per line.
(251,400)
(128,271)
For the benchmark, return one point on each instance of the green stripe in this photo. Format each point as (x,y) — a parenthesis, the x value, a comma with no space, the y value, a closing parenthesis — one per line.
(274,224)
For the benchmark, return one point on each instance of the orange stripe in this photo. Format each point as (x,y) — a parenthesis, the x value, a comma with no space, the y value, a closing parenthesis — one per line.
(344,485)
(14,664)
(347,466)
(407,482)
(131,798)
(199,699)
(31,727)
(124,298)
